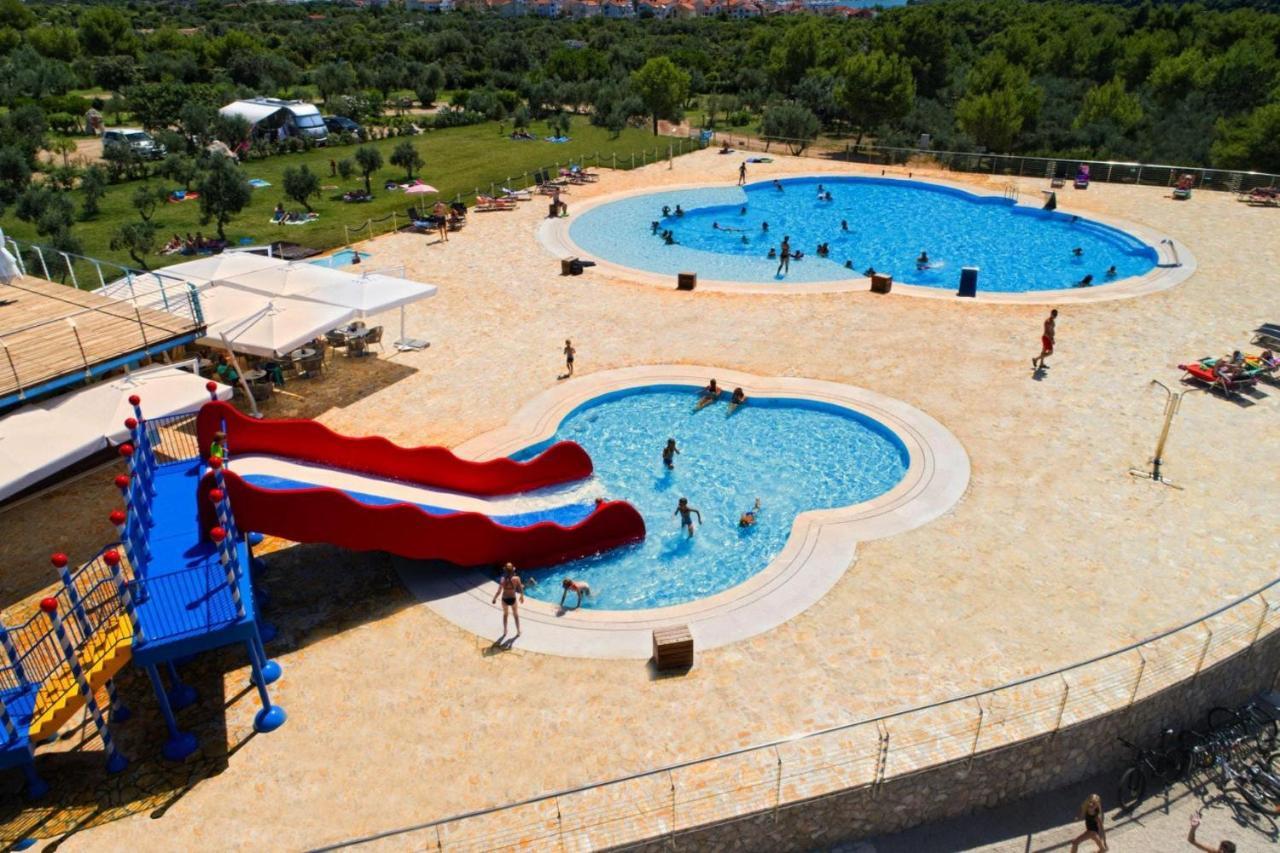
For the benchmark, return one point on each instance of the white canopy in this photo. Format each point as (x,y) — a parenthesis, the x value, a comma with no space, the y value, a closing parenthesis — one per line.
(372,294)
(260,325)
(294,280)
(39,440)
(166,289)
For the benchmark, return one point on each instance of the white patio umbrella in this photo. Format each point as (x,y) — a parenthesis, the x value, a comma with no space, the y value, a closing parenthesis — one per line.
(376,293)
(102,408)
(166,289)
(8,263)
(35,444)
(289,280)
(420,189)
(257,324)
(217,268)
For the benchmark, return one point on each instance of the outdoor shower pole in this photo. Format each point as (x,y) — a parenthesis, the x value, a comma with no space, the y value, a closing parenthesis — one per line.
(1171,405)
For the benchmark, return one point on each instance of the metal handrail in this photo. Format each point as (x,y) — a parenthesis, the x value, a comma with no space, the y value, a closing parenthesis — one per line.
(774,744)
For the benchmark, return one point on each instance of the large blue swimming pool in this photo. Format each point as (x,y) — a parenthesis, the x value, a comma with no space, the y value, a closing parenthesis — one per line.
(795,455)
(721,237)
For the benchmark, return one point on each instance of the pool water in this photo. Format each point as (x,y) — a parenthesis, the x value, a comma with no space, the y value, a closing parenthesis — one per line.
(342,258)
(795,455)
(1016,248)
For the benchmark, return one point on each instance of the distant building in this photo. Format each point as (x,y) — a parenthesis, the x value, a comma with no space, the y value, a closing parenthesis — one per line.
(618,9)
(429,5)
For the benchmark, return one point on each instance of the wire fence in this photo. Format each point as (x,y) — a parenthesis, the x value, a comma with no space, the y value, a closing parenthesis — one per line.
(1012,165)
(670,801)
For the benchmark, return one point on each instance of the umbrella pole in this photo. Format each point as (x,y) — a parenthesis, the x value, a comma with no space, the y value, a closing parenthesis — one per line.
(407,343)
(248,392)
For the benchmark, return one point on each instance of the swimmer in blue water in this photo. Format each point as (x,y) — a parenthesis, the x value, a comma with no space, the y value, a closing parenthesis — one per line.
(844,225)
(686,514)
(669,454)
(749,518)
(679,210)
(653,227)
(764,226)
(922,262)
(1111,271)
(777,185)
(666,210)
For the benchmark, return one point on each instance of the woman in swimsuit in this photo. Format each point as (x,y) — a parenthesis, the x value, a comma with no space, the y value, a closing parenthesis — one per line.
(1091,812)
(709,395)
(509,587)
(739,397)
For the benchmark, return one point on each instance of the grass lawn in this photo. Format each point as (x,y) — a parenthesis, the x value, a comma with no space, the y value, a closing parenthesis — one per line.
(459,160)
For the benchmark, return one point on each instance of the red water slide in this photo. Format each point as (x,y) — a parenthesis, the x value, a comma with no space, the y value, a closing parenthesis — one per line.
(318,514)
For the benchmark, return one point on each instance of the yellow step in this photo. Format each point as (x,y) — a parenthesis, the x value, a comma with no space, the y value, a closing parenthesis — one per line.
(60,698)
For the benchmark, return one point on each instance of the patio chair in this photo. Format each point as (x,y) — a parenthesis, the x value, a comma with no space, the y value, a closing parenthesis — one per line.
(374,336)
(336,338)
(312,366)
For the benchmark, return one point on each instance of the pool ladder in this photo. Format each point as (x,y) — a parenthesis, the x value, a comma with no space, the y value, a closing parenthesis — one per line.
(1011,191)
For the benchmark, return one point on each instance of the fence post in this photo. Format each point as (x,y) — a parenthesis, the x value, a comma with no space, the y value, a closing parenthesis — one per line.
(102,282)
(1203,652)
(75,330)
(142,327)
(71,269)
(1062,707)
(1142,667)
(671,779)
(1262,618)
(43,265)
(633,159)
(777,794)
(977,733)
(615,159)
(13,368)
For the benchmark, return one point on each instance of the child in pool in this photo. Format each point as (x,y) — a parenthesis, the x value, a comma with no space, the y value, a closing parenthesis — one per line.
(669,453)
(686,512)
(748,518)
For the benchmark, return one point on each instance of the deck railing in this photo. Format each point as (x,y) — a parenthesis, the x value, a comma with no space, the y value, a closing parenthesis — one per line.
(679,798)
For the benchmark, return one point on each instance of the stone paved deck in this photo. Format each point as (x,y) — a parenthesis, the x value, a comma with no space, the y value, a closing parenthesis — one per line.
(1054,555)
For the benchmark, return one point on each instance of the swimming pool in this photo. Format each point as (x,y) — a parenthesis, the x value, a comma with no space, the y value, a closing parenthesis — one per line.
(1016,248)
(342,258)
(794,454)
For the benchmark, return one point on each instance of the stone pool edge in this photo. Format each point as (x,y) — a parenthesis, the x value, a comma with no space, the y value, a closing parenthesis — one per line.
(821,547)
(553,235)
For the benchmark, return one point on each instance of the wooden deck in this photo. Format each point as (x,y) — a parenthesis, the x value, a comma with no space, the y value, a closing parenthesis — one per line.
(49,331)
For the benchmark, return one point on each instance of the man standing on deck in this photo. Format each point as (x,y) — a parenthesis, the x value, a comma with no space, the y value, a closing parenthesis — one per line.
(1046,340)
(742,173)
(784,257)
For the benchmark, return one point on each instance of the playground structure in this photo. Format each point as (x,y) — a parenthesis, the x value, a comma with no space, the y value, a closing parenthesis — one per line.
(180,580)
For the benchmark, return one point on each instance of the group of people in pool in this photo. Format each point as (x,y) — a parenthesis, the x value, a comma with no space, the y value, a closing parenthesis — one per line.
(710,394)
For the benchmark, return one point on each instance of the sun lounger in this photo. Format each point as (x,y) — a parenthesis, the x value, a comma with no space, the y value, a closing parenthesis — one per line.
(517,195)
(1267,335)
(1197,372)
(1252,370)
(486,203)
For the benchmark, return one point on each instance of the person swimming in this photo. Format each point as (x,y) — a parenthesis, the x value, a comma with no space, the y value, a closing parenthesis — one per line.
(653,227)
(1077,252)
(844,225)
(1087,281)
(715,226)
(739,398)
(922,262)
(870,272)
(679,210)
(668,238)
(777,185)
(685,512)
(709,395)
(666,210)
(764,226)
(773,254)
(742,211)
(1111,271)
(669,454)
(827,196)
(848,264)
(745,241)
(749,518)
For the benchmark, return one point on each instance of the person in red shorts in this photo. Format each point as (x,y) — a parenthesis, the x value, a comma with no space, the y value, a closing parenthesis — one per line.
(1046,340)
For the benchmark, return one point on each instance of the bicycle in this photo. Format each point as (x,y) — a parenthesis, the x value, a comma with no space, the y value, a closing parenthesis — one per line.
(1251,719)
(1165,762)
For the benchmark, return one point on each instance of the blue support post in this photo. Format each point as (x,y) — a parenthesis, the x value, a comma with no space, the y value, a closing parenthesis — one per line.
(10,730)
(116,762)
(271,717)
(181,695)
(117,711)
(36,787)
(180,744)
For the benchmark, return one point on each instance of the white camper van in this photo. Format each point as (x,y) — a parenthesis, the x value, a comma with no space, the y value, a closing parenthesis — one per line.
(276,118)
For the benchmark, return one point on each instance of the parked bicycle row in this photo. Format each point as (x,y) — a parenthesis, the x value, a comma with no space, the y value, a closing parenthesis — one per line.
(1236,748)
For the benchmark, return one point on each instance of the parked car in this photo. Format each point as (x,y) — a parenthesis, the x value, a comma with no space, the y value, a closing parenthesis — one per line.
(342,124)
(138,140)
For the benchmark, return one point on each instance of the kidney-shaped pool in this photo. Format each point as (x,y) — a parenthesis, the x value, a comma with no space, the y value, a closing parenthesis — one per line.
(726,233)
(792,454)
